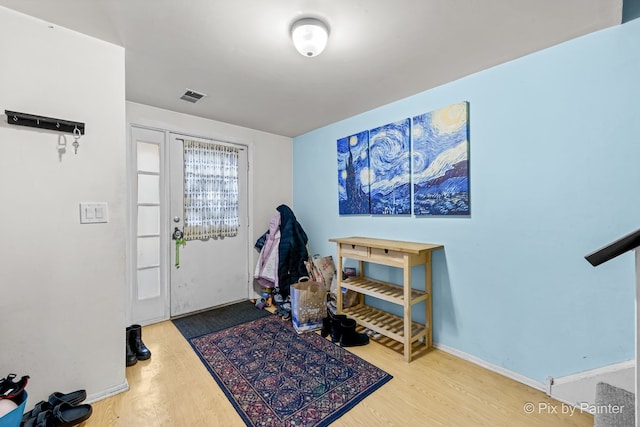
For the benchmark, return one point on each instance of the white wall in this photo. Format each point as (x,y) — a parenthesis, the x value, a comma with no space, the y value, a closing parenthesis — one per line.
(270,157)
(61,283)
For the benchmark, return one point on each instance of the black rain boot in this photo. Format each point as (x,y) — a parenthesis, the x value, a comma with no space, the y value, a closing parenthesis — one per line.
(350,337)
(142,352)
(336,330)
(326,327)
(132,359)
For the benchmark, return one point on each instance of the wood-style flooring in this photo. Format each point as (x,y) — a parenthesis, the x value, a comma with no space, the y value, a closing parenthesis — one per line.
(174,389)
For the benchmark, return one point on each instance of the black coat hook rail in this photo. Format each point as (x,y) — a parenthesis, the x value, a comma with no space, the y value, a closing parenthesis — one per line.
(22,119)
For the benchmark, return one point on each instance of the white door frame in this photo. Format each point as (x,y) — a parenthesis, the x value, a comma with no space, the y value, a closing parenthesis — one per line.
(130,251)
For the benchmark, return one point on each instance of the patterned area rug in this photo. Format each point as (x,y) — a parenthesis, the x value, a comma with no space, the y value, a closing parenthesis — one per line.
(275,377)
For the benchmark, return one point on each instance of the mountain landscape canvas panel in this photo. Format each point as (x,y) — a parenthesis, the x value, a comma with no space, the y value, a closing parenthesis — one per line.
(353,174)
(441,161)
(390,169)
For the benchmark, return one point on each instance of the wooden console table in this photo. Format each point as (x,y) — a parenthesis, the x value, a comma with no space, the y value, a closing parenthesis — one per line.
(404,255)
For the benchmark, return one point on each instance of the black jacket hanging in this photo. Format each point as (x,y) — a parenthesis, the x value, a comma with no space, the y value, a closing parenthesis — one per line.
(292,251)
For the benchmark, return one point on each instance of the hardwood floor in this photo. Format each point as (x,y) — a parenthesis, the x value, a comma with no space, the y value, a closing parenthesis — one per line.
(173,388)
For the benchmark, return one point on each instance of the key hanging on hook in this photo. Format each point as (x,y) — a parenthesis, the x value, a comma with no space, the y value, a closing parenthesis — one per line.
(76,137)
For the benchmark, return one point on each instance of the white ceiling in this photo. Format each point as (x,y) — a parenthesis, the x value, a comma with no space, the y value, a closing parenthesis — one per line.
(240,54)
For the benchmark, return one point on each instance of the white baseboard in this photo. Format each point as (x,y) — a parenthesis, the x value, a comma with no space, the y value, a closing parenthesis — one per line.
(572,389)
(112,391)
(490,366)
(581,387)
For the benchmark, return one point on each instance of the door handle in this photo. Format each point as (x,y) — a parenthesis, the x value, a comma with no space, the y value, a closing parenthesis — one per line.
(177,234)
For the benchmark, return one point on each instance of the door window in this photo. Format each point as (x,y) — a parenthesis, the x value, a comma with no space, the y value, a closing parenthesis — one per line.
(210,191)
(148,221)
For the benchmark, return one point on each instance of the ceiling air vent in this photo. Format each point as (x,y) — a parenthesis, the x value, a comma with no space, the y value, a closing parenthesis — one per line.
(192,96)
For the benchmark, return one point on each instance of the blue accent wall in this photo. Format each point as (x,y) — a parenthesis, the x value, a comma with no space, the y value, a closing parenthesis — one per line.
(554,175)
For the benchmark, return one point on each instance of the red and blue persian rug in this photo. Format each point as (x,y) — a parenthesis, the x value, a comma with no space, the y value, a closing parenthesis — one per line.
(274,376)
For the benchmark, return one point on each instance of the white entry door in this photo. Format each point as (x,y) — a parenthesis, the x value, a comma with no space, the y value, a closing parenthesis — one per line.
(211,272)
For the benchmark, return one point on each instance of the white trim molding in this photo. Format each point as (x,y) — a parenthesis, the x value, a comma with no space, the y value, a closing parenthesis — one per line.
(581,387)
(490,366)
(111,391)
(572,389)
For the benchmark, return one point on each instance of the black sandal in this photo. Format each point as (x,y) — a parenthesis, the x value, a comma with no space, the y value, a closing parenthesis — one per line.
(73,398)
(43,419)
(66,415)
(38,408)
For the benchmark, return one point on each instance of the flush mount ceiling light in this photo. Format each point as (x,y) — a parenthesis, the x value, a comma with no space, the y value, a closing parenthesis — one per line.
(309,36)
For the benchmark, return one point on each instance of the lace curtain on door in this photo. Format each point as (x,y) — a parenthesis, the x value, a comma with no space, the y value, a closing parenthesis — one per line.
(210,191)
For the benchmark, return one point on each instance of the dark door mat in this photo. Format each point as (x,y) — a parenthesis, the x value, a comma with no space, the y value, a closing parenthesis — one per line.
(217,319)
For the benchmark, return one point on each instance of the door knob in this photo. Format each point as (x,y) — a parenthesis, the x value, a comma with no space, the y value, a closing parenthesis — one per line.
(176,219)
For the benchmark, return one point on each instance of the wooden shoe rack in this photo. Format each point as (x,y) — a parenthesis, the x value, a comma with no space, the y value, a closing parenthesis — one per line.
(393,253)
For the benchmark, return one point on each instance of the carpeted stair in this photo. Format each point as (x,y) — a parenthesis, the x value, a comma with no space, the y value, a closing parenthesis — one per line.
(615,407)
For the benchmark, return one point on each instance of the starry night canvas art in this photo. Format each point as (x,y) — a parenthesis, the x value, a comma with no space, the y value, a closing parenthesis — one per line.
(353,174)
(390,163)
(441,161)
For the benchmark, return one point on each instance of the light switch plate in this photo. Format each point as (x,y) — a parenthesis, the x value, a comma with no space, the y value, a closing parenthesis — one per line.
(95,212)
